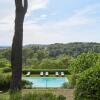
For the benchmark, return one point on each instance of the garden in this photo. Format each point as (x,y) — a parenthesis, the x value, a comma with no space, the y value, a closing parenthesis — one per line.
(82,72)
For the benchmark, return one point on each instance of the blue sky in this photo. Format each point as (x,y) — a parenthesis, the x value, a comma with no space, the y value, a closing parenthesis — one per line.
(53,21)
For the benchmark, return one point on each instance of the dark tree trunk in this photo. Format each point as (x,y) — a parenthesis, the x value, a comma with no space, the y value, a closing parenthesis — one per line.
(16,54)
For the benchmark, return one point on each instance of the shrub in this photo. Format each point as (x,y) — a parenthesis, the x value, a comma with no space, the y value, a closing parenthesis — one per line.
(35,96)
(72,82)
(83,62)
(88,85)
(45,96)
(6,69)
(65,85)
(4,63)
(5,82)
(15,96)
(26,84)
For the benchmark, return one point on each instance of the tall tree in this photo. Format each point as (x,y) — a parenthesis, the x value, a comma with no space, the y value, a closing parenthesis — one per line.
(16,54)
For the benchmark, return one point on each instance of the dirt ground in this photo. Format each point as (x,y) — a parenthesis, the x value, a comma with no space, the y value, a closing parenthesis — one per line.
(68,93)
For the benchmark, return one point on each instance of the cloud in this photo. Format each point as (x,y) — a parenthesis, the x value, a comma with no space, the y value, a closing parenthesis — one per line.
(8,12)
(90,9)
(7,16)
(35,5)
(67,29)
(43,16)
(57,31)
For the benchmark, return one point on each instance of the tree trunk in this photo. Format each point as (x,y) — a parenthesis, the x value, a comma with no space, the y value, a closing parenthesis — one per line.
(16,54)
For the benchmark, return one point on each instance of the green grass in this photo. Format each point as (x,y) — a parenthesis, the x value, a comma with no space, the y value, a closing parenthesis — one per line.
(0,70)
(65,92)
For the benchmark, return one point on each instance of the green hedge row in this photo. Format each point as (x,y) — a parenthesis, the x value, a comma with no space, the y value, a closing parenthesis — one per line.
(37,71)
(51,71)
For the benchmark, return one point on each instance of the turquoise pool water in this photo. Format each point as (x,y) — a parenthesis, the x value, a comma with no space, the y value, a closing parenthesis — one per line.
(46,82)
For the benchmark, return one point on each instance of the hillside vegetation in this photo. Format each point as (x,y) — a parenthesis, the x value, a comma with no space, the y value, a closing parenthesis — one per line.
(56,56)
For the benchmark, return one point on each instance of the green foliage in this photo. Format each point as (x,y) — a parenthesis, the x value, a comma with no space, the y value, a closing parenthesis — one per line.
(37,56)
(34,63)
(34,96)
(6,53)
(49,64)
(88,85)
(42,54)
(61,62)
(15,96)
(83,62)
(72,49)
(26,84)
(65,85)
(45,96)
(72,81)
(27,54)
(5,82)
(4,63)
(6,69)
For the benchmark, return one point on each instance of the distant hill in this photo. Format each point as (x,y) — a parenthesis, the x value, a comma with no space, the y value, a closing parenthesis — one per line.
(4,47)
(54,50)
(72,49)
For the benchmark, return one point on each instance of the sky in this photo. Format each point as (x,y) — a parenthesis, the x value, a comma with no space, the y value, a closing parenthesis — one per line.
(53,21)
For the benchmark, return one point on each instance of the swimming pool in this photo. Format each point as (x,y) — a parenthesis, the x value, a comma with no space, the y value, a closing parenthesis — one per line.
(47,82)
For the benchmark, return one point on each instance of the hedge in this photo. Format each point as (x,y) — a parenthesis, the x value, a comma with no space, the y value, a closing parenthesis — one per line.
(37,71)
(51,71)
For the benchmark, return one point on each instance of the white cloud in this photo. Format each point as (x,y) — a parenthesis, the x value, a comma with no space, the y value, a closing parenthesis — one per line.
(7,14)
(49,32)
(35,5)
(57,31)
(88,10)
(44,16)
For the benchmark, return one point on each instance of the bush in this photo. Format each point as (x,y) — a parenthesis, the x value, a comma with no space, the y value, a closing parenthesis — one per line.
(72,81)
(65,85)
(45,96)
(6,69)
(26,84)
(5,82)
(15,96)
(35,96)
(4,63)
(83,62)
(88,85)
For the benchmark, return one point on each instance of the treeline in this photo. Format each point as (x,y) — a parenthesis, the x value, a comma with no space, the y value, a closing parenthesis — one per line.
(71,49)
(50,56)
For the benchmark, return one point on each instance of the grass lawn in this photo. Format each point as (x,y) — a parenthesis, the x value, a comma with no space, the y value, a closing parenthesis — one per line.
(68,93)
